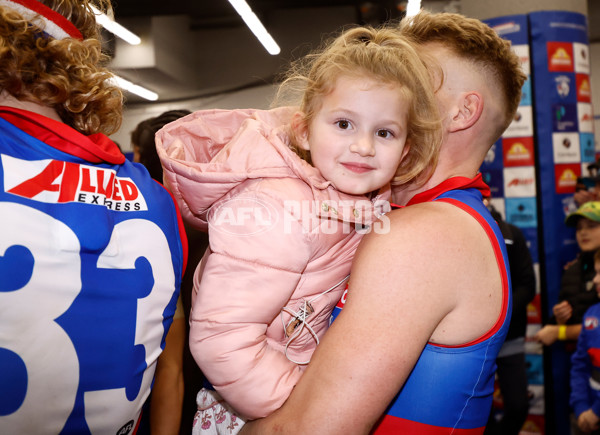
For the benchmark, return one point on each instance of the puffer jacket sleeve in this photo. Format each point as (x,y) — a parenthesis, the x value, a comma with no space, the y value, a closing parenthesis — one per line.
(258,255)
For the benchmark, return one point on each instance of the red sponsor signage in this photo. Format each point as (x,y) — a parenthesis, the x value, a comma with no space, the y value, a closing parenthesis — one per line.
(534,310)
(55,181)
(560,56)
(518,151)
(565,177)
(584,89)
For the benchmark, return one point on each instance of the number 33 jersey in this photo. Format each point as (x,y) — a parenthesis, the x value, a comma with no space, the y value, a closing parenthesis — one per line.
(91,258)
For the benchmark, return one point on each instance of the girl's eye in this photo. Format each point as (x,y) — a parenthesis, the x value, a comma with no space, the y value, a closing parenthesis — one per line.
(343,124)
(385,133)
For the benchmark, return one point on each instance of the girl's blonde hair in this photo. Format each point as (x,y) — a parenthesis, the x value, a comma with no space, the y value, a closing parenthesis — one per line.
(68,74)
(384,55)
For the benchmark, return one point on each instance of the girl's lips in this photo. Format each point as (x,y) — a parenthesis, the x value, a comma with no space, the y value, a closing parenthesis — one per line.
(359,168)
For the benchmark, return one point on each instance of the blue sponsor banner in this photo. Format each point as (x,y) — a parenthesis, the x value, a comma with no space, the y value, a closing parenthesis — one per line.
(521,212)
(559,63)
(564,117)
(495,180)
(511,27)
(588,151)
(565,88)
(526,93)
(535,369)
(557,40)
(493,159)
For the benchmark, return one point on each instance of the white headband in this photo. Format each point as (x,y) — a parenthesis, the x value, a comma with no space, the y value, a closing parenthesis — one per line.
(40,15)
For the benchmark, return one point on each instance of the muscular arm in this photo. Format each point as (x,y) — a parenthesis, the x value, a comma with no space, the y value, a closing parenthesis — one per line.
(167,393)
(406,287)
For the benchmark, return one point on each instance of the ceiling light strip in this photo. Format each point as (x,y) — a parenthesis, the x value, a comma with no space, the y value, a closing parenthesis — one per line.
(255,26)
(134,89)
(413,7)
(115,28)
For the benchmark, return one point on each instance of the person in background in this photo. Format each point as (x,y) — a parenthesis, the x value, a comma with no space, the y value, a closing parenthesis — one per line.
(585,368)
(174,394)
(588,187)
(428,305)
(511,364)
(576,295)
(144,145)
(576,290)
(92,249)
(287,194)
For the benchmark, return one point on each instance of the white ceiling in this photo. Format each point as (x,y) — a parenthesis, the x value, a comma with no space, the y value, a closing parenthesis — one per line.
(197,48)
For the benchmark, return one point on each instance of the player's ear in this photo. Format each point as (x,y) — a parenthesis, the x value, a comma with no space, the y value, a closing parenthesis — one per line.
(468,110)
(300,130)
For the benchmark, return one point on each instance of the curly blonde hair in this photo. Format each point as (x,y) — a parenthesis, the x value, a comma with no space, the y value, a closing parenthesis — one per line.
(384,55)
(68,74)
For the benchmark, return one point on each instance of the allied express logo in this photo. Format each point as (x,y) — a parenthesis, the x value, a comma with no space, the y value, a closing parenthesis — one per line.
(55,181)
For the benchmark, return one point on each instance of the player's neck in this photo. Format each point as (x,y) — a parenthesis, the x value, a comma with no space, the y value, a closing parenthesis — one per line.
(450,164)
(8,100)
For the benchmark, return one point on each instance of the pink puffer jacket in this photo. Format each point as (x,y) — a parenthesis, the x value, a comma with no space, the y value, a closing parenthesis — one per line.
(280,236)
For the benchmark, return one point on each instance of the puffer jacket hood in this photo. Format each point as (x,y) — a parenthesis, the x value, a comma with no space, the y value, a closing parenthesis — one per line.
(220,149)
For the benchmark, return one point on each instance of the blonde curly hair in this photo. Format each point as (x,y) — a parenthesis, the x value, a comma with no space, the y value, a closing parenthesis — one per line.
(68,74)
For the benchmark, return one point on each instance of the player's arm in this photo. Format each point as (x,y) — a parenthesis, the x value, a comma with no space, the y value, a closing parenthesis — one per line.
(402,285)
(167,394)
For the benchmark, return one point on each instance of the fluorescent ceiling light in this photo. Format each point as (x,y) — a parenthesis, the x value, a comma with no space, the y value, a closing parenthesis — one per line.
(413,7)
(114,27)
(255,26)
(134,89)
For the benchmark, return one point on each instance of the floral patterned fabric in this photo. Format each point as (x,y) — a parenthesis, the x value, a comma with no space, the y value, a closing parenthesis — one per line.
(215,416)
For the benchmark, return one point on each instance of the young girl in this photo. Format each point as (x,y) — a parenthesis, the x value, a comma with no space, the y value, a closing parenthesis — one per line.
(282,206)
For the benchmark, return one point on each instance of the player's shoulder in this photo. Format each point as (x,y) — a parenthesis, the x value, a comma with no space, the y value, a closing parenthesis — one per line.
(428,214)
(437,228)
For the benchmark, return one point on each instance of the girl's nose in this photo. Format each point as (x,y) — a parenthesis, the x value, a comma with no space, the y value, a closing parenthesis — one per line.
(363,146)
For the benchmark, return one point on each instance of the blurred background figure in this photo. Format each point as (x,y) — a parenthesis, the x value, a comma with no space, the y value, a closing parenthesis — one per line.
(512,367)
(142,141)
(585,368)
(576,295)
(173,400)
(588,187)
